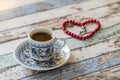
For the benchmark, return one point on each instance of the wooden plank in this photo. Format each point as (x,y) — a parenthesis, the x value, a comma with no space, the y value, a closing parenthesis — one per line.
(100,36)
(43,16)
(76,56)
(81,68)
(55,23)
(8,4)
(37,17)
(34,8)
(107,74)
(8,47)
(94,50)
(8,59)
(15,73)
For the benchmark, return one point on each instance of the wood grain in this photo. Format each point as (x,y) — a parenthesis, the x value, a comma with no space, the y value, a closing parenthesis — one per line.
(43,16)
(100,52)
(10,4)
(10,46)
(102,35)
(34,8)
(94,50)
(109,11)
(81,68)
(76,56)
(112,73)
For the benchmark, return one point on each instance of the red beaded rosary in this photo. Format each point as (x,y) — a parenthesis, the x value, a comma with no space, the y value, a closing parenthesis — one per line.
(64,25)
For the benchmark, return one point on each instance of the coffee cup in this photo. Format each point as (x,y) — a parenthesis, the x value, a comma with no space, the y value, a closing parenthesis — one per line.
(43,43)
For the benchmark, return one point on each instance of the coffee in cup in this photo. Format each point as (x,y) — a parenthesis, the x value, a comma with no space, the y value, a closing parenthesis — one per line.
(43,42)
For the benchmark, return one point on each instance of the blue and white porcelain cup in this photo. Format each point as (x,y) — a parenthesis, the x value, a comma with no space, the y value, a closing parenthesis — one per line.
(44,50)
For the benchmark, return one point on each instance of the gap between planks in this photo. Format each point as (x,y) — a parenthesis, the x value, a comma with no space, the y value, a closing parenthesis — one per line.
(110,17)
(80,68)
(112,73)
(43,16)
(100,36)
(35,8)
(76,56)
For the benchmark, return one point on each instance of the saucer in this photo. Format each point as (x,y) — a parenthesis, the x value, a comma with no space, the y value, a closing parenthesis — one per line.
(23,52)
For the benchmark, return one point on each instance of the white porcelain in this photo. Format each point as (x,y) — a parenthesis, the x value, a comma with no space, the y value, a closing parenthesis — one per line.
(43,50)
(23,57)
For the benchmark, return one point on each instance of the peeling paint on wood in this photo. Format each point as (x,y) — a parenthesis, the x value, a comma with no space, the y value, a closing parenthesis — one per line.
(76,55)
(112,73)
(43,16)
(81,68)
(94,50)
(100,36)
(55,23)
(10,4)
(35,7)
(101,51)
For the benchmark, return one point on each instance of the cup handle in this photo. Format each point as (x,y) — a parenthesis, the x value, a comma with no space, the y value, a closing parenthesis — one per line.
(59,43)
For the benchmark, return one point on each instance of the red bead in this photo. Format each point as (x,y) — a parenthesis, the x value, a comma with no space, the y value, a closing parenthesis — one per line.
(87,36)
(84,38)
(71,21)
(83,24)
(63,25)
(99,25)
(75,35)
(97,21)
(67,32)
(88,21)
(77,23)
(94,20)
(91,34)
(72,34)
(97,28)
(91,20)
(67,21)
(80,37)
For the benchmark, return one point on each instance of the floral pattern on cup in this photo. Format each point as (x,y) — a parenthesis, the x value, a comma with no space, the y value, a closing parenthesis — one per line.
(41,53)
(25,57)
(44,50)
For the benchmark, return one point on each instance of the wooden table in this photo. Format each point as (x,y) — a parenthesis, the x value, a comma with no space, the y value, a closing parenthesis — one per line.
(95,59)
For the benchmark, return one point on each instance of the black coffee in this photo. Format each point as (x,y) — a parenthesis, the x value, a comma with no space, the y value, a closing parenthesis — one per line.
(41,36)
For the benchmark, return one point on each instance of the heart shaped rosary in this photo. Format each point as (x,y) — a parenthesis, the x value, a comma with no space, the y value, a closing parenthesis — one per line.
(82,25)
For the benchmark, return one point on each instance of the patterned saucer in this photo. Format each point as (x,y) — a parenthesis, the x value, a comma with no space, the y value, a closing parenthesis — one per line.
(22,56)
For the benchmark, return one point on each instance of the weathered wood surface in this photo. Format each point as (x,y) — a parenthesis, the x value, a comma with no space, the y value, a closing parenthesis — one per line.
(100,52)
(10,4)
(73,44)
(34,8)
(100,36)
(81,68)
(107,74)
(56,23)
(43,16)
(76,55)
